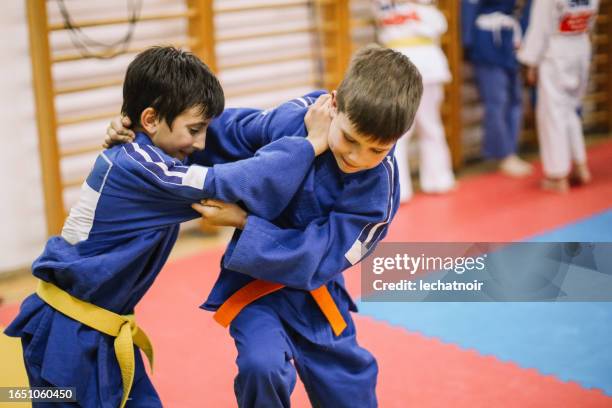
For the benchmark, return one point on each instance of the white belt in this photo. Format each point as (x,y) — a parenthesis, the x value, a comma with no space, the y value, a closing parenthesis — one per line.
(497,21)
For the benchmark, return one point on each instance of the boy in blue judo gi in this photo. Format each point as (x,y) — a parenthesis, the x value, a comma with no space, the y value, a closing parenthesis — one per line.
(78,330)
(281,288)
(491,34)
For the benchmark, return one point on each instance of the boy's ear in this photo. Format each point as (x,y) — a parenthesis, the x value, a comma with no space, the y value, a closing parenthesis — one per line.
(149,121)
(334,101)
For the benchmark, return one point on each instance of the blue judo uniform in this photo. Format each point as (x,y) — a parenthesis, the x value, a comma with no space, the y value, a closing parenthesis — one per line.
(332,222)
(114,243)
(490,36)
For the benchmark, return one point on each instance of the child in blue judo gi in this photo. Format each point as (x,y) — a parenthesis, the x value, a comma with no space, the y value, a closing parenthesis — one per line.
(491,34)
(78,330)
(281,288)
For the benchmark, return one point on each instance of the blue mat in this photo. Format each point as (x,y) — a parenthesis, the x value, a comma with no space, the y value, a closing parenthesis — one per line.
(597,228)
(572,341)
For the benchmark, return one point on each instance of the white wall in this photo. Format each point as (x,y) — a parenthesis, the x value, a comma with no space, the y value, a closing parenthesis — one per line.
(22,219)
(22,226)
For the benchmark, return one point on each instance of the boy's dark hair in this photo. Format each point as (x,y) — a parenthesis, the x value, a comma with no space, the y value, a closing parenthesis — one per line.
(380,93)
(170,81)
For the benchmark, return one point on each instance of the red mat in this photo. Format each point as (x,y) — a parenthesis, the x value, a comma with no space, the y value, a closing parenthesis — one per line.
(497,208)
(195,358)
(416,371)
(8,313)
(494,207)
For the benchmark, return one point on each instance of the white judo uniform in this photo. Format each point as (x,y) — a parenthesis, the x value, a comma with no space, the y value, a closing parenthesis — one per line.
(557,42)
(414,30)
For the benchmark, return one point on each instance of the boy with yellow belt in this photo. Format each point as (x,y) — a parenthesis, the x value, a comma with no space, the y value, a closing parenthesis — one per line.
(78,330)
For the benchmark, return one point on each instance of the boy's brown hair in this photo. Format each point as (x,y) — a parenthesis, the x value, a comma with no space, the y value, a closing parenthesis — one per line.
(380,93)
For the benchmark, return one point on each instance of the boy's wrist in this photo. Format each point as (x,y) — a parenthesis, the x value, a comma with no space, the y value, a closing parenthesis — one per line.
(241,224)
(317,145)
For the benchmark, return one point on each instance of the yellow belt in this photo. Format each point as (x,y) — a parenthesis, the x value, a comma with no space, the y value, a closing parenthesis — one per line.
(122,327)
(409,42)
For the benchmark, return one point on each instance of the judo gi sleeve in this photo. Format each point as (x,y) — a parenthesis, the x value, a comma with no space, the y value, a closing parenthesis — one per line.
(310,257)
(469,12)
(264,183)
(236,134)
(539,30)
(239,132)
(433,23)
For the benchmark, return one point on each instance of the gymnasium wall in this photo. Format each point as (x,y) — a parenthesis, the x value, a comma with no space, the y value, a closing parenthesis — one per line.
(22,219)
(242,38)
(286,38)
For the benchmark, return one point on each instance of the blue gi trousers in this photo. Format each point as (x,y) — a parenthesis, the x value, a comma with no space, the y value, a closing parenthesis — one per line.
(336,372)
(142,394)
(500,91)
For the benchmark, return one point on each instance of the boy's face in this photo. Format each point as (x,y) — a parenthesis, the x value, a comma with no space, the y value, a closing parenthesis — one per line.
(187,135)
(353,151)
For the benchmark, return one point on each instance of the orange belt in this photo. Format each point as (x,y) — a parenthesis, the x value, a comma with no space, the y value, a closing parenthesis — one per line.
(260,288)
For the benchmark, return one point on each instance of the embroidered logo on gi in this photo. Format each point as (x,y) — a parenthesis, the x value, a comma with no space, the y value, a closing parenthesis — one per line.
(400,18)
(575,23)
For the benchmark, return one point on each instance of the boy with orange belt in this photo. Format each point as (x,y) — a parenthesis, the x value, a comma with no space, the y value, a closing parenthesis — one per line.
(341,211)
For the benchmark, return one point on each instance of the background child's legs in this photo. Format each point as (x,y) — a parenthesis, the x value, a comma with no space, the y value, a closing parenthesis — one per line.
(403,165)
(576,134)
(555,116)
(435,169)
(514,113)
(496,86)
(266,377)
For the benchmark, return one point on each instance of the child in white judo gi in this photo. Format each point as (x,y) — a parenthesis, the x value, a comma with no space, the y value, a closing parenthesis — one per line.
(414,29)
(557,52)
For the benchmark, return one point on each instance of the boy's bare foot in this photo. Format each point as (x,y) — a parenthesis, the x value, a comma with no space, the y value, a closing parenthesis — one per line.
(555,185)
(581,174)
(514,166)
